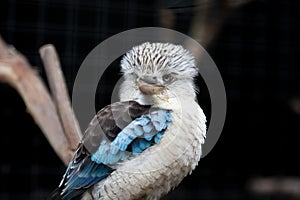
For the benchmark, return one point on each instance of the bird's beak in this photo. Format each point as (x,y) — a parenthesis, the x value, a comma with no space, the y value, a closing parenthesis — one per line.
(149,87)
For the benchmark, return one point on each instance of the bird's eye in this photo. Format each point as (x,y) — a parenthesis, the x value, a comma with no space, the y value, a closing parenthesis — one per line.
(167,78)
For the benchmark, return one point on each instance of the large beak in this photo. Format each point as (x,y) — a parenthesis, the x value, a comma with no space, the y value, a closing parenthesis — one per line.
(149,87)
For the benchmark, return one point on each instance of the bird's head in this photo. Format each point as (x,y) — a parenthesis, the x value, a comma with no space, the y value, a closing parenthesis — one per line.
(157,71)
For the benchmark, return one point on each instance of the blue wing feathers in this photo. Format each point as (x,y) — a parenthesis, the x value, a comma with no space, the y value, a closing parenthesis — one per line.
(158,137)
(81,175)
(145,126)
(140,145)
(137,136)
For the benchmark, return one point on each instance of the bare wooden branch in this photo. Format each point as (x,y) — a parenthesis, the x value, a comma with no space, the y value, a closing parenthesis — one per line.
(60,94)
(275,185)
(209,19)
(17,72)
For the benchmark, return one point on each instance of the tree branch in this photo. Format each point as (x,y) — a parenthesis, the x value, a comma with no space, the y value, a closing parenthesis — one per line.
(60,95)
(16,71)
(209,19)
(284,185)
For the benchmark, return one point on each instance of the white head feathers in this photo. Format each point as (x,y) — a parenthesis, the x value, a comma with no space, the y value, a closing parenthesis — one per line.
(157,58)
(165,64)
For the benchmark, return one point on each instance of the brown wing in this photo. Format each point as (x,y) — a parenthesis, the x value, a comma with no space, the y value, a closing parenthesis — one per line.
(110,120)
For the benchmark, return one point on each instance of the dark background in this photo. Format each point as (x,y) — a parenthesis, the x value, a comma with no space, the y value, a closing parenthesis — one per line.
(257,52)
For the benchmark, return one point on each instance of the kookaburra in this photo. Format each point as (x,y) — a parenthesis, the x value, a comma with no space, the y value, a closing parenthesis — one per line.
(149,141)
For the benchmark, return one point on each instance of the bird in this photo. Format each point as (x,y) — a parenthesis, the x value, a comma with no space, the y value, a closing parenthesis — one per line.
(144,145)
